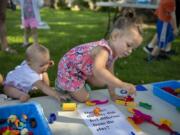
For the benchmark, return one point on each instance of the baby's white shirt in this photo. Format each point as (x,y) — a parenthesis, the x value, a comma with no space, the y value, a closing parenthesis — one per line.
(22,77)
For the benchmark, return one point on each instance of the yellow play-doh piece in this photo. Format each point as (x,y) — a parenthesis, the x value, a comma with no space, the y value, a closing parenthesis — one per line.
(69,106)
(89,103)
(132,104)
(129,104)
(119,102)
(166,122)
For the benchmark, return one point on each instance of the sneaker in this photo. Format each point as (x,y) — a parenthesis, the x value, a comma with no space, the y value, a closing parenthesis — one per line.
(171,52)
(163,55)
(151,58)
(147,49)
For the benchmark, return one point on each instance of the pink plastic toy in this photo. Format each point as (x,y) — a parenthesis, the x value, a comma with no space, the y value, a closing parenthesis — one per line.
(139,117)
(99,102)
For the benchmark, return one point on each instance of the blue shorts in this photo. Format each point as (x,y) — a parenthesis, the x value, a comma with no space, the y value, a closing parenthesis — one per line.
(164,33)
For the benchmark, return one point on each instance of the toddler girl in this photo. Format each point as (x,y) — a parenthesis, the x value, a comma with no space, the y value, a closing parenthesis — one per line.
(94,62)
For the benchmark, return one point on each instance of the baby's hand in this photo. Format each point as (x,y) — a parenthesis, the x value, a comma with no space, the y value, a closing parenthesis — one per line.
(63,97)
(130,88)
(51,63)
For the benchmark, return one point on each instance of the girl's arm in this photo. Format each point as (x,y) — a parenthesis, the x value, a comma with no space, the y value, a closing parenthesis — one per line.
(111,89)
(45,78)
(101,72)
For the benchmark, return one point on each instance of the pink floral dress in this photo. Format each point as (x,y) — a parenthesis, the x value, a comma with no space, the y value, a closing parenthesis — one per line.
(77,64)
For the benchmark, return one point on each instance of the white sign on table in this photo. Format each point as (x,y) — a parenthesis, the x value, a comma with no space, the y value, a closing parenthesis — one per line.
(110,122)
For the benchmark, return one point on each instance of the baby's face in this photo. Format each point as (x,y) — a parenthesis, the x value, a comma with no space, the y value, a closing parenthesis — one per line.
(124,45)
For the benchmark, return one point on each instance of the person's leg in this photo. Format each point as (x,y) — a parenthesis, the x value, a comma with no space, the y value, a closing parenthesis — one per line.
(170,37)
(161,38)
(4,43)
(155,51)
(168,48)
(1,79)
(52,2)
(148,49)
(154,54)
(3,39)
(80,95)
(35,35)
(153,42)
(15,93)
(27,34)
(167,51)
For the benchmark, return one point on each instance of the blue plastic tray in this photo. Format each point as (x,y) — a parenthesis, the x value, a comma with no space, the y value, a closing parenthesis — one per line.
(158,91)
(32,110)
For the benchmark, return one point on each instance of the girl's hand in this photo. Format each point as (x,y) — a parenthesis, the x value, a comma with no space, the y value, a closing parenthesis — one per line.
(115,97)
(130,88)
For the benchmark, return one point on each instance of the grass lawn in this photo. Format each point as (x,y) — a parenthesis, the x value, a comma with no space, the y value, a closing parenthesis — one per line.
(69,29)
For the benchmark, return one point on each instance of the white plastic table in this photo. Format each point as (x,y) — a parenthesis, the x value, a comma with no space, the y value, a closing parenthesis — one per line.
(70,123)
(123,4)
(126,4)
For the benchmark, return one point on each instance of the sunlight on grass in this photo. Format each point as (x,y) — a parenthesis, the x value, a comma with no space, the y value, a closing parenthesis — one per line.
(63,23)
(85,26)
(15,39)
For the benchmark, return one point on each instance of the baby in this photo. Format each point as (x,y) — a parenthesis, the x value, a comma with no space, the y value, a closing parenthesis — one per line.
(31,73)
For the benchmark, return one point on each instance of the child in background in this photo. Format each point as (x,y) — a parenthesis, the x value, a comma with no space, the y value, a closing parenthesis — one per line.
(94,62)
(31,73)
(166,28)
(30,19)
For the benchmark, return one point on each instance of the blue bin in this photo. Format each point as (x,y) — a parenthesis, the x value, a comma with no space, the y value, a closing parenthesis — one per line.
(32,110)
(158,91)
